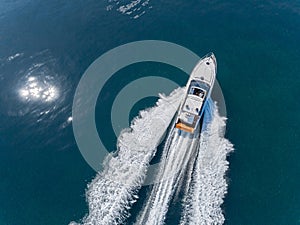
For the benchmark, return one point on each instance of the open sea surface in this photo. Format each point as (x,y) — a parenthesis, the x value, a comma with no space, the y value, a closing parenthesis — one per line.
(45,47)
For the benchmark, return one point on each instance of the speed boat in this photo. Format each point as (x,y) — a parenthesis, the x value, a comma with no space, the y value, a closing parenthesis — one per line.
(198,90)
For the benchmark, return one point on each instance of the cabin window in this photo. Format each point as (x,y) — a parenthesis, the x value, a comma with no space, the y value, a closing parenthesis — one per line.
(197,91)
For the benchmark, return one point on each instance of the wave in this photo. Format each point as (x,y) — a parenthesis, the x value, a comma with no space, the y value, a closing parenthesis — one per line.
(202,203)
(172,171)
(132,8)
(113,191)
(197,165)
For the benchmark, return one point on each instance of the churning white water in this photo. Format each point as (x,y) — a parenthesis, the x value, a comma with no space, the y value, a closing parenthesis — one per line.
(205,179)
(114,190)
(203,200)
(198,160)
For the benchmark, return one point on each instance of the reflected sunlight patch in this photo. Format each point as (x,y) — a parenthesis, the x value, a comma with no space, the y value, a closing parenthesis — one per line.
(37,89)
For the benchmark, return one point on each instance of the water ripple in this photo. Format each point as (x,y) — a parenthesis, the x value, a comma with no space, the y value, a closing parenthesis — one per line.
(133,8)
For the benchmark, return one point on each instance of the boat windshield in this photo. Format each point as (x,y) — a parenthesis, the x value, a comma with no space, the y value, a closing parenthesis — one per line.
(198,88)
(197,91)
(200,84)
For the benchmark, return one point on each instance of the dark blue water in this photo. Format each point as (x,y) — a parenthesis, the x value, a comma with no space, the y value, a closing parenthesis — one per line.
(45,46)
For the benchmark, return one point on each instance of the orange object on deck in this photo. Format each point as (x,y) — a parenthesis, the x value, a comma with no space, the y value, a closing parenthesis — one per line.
(184,127)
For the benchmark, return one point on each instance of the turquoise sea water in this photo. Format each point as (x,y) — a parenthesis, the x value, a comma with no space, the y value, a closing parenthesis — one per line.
(44,177)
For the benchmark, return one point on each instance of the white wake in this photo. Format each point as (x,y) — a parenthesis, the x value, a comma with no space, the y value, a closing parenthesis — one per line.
(202,203)
(201,164)
(113,191)
(198,165)
(171,171)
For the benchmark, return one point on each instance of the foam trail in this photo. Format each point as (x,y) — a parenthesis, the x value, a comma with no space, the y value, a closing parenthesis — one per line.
(178,155)
(113,191)
(202,163)
(202,203)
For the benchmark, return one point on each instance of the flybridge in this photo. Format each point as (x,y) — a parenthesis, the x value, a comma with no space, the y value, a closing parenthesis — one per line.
(198,91)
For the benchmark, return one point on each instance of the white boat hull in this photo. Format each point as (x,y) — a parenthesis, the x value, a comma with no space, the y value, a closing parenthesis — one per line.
(198,91)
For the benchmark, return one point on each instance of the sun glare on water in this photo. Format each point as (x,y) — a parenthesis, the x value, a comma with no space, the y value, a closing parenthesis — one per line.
(35,89)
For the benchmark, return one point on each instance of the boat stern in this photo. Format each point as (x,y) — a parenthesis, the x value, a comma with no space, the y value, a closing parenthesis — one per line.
(187,122)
